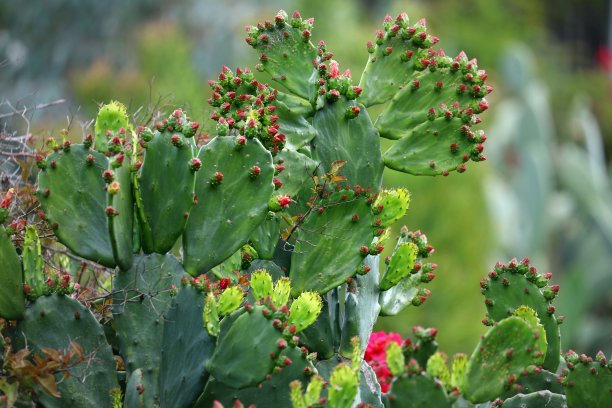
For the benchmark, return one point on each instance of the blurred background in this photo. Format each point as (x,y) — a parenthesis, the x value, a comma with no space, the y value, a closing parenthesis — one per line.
(544,191)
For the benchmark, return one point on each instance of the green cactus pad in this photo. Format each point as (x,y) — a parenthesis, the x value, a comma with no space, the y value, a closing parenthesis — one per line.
(121,225)
(265,237)
(134,391)
(409,290)
(12,300)
(304,310)
(294,126)
(230,300)
(261,284)
(515,284)
(71,193)
(274,392)
(186,348)
(140,306)
(33,264)
(295,104)
(502,354)
(389,67)
(588,381)
(323,258)
(417,390)
(111,117)
(390,206)
(535,379)
(361,307)
(165,190)
(354,140)
(53,322)
(242,356)
(297,173)
(318,337)
(369,389)
(395,359)
(402,262)
(343,387)
(234,207)
(432,119)
(539,399)
(286,52)
(437,366)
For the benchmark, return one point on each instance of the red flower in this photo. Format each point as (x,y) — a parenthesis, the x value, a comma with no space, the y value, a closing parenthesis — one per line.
(376,356)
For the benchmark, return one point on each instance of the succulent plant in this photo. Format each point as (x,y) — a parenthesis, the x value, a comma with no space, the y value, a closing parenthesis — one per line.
(271,294)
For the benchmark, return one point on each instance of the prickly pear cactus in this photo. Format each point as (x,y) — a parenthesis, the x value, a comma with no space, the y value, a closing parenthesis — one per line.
(588,380)
(231,168)
(504,352)
(57,321)
(166,181)
(11,293)
(271,295)
(514,284)
(71,194)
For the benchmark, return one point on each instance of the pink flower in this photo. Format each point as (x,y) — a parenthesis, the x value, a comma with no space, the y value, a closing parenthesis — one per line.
(376,356)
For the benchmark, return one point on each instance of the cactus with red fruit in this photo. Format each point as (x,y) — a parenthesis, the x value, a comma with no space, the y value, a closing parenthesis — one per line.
(290,186)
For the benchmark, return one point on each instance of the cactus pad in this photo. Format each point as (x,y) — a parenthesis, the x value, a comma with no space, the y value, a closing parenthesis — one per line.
(331,243)
(186,348)
(509,286)
(53,322)
(12,300)
(538,399)
(352,139)
(431,118)
(285,51)
(233,206)
(140,306)
(503,353)
(408,291)
(111,118)
(588,381)
(166,182)
(391,58)
(273,392)
(255,336)
(417,390)
(71,193)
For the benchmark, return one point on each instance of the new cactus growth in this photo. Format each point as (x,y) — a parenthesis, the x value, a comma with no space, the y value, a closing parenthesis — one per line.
(270,297)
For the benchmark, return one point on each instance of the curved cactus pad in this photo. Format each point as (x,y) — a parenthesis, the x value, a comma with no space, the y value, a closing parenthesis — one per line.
(121,224)
(12,299)
(233,189)
(71,193)
(502,354)
(186,349)
(352,139)
(273,392)
(285,51)
(361,307)
(515,284)
(54,322)
(243,357)
(538,399)
(588,381)
(165,186)
(330,243)
(388,68)
(417,390)
(432,117)
(140,306)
